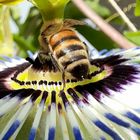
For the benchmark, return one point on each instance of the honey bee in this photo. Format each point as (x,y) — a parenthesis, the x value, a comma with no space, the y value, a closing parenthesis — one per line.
(68,53)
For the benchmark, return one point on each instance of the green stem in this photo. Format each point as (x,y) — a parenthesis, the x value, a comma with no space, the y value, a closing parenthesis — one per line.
(51,9)
(123,16)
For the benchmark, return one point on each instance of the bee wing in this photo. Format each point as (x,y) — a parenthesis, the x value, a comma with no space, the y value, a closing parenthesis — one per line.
(72,22)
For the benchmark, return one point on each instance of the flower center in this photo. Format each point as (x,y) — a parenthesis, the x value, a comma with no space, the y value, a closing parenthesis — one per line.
(50,81)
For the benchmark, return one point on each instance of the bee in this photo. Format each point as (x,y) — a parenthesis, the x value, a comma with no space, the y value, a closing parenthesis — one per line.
(68,53)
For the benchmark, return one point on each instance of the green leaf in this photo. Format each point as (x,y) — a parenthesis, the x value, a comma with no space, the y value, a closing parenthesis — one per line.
(137,9)
(95,5)
(133,36)
(71,11)
(23,43)
(97,38)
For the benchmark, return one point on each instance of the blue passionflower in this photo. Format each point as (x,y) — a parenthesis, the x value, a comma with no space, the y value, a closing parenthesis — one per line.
(33,104)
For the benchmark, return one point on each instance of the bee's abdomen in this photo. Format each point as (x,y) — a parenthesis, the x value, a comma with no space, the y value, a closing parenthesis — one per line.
(60,37)
(70,52)
(65,41)
(74,56)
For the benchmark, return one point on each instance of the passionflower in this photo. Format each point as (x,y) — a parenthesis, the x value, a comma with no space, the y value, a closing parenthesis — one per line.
(34,105)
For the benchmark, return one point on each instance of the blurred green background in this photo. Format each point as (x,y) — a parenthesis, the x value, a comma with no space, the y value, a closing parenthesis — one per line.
(25,22)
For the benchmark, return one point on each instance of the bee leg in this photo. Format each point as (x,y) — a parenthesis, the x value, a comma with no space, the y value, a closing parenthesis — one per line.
(63,80)
(42,56)
(87,50)
(86,47)
(44,42)
(54,62)
(58,67)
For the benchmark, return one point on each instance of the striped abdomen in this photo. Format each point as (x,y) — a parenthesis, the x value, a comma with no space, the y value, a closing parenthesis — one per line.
(70,53)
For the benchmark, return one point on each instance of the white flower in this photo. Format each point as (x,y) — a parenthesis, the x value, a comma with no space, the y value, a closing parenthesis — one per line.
(33,104)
